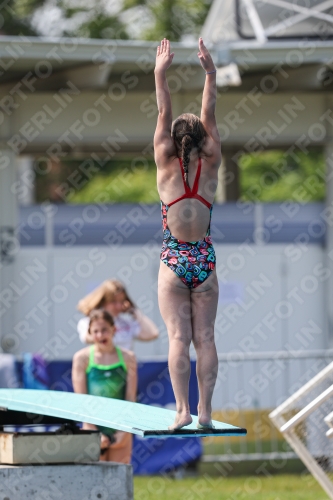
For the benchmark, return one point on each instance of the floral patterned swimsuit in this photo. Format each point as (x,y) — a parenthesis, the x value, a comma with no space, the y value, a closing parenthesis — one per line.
(192,261)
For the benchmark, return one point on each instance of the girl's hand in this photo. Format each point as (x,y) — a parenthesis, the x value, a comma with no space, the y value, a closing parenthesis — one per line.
(105,442)
(163,56)
(116,441)
(119,436)
(126,306)
(205,58)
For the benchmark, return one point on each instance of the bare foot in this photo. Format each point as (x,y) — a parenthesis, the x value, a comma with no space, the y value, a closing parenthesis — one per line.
(181,420)
(204,419)
(207,425)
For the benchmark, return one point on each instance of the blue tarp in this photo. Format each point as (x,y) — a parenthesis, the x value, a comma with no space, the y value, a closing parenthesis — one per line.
(34,372)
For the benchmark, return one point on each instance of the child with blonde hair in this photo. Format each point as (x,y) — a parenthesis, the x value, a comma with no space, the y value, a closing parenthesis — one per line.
(130,323)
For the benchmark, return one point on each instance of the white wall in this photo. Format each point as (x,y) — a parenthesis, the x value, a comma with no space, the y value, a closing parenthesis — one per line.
(254,313)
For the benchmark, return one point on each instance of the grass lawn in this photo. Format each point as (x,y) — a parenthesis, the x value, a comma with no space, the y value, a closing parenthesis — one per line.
(278,487)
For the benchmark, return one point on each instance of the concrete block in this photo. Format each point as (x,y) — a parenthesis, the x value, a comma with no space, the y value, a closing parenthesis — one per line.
(49,447)
(93,481)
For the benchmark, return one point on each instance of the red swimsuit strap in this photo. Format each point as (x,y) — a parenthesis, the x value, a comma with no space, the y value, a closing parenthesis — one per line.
(191,193)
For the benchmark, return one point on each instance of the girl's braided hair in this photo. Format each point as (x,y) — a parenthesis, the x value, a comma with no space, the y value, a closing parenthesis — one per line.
(187,132)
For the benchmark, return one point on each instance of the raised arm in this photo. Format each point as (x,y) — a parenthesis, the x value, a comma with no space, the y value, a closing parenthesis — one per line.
(209,93)
(148,330)
(163,144)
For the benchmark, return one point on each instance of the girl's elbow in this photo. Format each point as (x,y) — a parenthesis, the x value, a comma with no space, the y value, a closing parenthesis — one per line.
(155,334)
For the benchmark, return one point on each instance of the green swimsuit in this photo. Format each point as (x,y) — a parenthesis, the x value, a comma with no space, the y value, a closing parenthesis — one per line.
(108,381)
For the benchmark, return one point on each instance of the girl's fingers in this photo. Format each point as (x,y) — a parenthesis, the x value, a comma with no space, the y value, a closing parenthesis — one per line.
(203,47)
(164,47)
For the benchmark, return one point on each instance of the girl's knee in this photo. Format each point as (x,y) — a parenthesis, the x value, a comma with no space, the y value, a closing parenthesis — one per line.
(204,343)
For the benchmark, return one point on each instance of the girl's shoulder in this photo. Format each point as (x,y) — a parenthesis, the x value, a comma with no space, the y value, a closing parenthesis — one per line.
(82,355)
(129,356)
(211,153)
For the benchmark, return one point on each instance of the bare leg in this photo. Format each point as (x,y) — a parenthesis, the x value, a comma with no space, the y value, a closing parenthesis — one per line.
(175,307)
(204,300)
(119,452)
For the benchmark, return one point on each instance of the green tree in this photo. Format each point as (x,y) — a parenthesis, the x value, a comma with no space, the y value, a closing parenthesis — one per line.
(15,17)
(276,176)
(88,21)
(120,183)
(166,18)
(171,18)
(268,176)
(96,22)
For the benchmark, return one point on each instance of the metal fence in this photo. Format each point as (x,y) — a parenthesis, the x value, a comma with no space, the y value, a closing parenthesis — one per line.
(257,383)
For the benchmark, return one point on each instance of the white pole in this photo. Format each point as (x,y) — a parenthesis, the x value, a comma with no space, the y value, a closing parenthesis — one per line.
(303,10)
(310,463)
(287,23)
(255,21)
(307,410)
(290,402)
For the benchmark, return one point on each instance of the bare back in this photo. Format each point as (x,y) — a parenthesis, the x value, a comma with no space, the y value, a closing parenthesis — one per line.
(188,219)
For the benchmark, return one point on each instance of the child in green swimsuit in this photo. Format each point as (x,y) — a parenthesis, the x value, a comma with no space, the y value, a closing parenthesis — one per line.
(108,371)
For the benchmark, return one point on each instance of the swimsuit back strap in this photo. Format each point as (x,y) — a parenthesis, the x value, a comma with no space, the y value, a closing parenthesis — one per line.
(186,187)
(200,198)
(121,358)
(195,187)
(182,197)
(91,356)
(197,177)
(191,193)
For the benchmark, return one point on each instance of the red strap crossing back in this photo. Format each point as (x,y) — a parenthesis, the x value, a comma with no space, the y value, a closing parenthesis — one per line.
(191,193)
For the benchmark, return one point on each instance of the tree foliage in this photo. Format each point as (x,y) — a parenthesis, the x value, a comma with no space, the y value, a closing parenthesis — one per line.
(268,176)
(277,176)
(120,183)
(15,17)
(95,19)
(98,24)
(172,18)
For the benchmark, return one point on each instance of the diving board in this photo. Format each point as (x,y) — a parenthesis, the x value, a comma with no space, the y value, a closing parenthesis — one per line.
(136,418)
